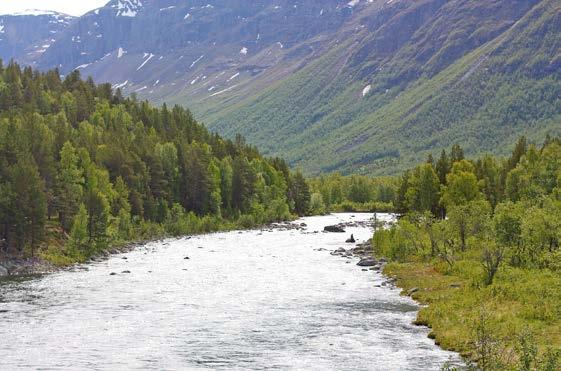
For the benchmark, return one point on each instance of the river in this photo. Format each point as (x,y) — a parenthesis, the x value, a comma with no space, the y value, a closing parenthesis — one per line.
(250,300)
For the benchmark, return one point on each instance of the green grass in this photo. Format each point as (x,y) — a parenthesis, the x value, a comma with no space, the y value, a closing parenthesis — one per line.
(518,300)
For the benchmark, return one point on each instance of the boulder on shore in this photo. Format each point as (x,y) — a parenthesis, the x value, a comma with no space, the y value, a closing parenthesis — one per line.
(3,271)
(334,229)
(367,262)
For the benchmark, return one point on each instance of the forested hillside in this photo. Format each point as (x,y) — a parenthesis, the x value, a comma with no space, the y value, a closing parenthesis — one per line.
(417,78)
(82,168)
(480,242)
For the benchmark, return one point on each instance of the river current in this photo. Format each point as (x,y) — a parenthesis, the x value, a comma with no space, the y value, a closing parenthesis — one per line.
(251,300)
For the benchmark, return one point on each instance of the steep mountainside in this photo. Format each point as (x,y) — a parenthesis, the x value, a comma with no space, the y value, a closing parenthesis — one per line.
(25,36)
(431,74)
(198,48)
(367,86)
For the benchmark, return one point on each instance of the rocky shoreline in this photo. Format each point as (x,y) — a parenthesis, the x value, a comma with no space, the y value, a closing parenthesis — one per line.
(366,261)
(14,267)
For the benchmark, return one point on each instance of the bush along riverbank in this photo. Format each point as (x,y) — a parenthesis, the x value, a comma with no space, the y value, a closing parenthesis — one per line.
(479,244)
(84,170)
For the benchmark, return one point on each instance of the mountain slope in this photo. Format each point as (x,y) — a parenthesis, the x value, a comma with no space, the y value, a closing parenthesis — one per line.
(168,48)
(25,36)
(390,109)
(366,86)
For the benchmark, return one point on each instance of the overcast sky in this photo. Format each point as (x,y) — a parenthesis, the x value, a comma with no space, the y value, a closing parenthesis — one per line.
(73,7)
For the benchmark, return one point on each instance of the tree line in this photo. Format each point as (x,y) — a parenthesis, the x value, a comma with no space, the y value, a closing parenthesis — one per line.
(334,192)
(82,167)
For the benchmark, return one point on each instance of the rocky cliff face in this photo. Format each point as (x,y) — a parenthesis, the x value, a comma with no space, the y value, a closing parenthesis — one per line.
(26,36)
(161,48)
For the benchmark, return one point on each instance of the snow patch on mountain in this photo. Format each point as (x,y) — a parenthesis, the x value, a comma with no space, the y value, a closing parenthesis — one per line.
(150,56)
(223,91)
(121,85)
(196,61)
(366,90)
(127,8)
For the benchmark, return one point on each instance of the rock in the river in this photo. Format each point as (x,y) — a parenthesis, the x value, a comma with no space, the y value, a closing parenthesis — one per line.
(339,251)
(333,229)
(351,240)
(126,272)
(186,258)
(367,262)
(112,274)
(3,271)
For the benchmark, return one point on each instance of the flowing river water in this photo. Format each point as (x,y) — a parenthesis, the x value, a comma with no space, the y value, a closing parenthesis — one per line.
(250,300)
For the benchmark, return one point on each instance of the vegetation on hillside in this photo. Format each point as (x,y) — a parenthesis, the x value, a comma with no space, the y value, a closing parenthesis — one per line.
(82,168)
(480,242)
(470,74)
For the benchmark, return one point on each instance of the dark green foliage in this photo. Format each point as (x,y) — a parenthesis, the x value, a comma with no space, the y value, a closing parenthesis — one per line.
(299,192)
(104,169)
(29,204)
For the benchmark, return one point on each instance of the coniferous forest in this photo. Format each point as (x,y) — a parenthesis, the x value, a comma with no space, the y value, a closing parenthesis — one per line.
(82,168)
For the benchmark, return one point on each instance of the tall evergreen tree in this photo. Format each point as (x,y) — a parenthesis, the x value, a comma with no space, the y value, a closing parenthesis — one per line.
(69,183)
(30,205)
(300,193)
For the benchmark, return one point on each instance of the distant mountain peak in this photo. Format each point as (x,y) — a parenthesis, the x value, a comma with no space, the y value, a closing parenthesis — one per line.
(127,8)
(36,13)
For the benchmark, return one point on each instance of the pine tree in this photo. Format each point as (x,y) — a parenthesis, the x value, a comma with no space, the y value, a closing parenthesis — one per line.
(457,154)
(300,193)
(30,205)
(98,217)
(243,184)
(443,167)
(519,150)
(79,240)
(70,181)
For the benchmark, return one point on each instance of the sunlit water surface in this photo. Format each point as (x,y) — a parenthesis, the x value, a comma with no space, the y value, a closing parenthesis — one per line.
(244,300)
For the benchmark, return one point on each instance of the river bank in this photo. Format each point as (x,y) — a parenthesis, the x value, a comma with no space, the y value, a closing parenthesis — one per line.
(499,325)
(55,256)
